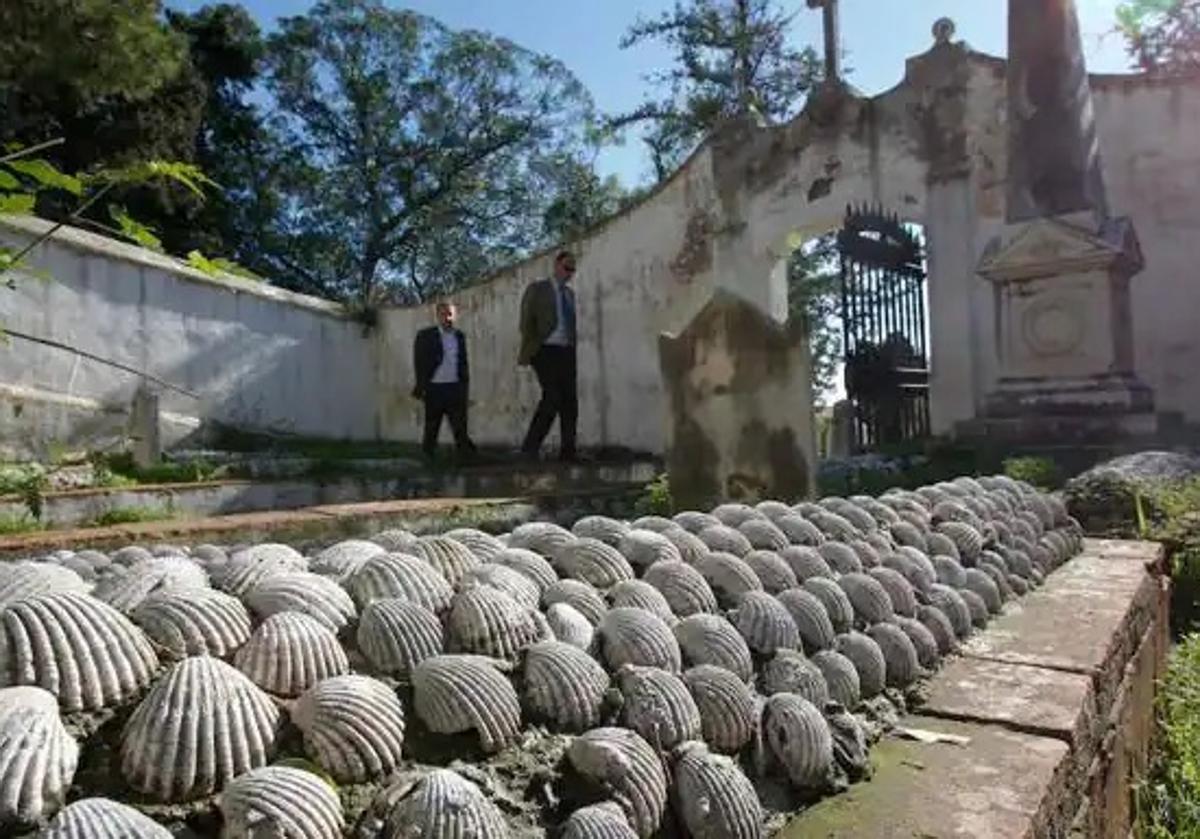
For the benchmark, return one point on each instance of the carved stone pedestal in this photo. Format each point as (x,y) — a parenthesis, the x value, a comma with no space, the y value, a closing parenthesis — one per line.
(1065,328)
(740,417)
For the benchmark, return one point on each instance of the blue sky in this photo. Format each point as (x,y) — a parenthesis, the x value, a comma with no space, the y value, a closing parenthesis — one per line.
(584,34)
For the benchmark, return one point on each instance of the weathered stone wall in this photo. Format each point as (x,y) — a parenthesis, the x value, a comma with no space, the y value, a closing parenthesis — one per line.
(256,356)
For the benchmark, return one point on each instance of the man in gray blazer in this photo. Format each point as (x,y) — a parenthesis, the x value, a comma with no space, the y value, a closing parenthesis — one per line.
(548,338)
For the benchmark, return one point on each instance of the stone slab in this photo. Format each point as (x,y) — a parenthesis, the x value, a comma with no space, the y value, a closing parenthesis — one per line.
(1001,785)
(1077,621)
(1035,700)
(1149,553)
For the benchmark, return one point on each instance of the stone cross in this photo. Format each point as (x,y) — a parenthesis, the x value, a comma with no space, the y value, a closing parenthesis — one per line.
(833,55)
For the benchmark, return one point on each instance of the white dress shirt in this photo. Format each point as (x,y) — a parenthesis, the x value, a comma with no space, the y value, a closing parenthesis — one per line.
(559,337)
(447,372)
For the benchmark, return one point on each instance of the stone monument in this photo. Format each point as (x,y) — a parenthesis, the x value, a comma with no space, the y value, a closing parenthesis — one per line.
(1062,267)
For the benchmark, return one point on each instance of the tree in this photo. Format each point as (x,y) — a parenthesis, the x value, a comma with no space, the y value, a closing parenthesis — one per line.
(731,59)
(412,155)
(814,294)
(1162,36)
(582,199)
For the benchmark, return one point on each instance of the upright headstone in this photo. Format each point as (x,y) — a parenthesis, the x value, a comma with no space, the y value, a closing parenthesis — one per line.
(144,428)
(740,413)
(1062,267)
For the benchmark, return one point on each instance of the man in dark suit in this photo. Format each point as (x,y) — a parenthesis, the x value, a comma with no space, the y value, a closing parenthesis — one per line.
(442,375)
(548,344)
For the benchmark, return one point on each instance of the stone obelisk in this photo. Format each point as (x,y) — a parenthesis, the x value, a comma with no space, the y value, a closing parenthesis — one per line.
(1061,268)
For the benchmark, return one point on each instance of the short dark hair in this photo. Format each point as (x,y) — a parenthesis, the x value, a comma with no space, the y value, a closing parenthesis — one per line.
(563,255)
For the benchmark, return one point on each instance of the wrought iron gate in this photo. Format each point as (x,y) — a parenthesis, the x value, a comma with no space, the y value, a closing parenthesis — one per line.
(883,328)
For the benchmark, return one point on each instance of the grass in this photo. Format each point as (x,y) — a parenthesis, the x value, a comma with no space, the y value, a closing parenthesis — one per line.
(131,515)
(11,525)
(1169,798)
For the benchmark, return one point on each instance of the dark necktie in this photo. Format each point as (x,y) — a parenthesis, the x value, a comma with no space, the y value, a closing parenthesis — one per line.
(568,308)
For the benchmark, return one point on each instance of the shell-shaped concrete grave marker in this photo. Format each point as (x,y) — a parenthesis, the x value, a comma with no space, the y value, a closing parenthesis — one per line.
(353,727)
(684,588)
(484,545)
(458,693)
(449,557)
(734,513)
(202,724)
(635,636)
(281,801)
(583,597)
(798,738)
(712,640)
(19,580)
(841,678)
(48,641)
(563,685)
(249,567)
(638,594)
(922,639)
(765,623)
(643,548)
(693,521)
(38,756)
(529,564)
(903,667)
(441,805)
(800,531)
(607,530)
(396,635)
(763,535)
(340,560)
(403,576)
(901,594)
(727,710)
(772,571)
(810,617)
(713,796)
(790,671)
(541,537)
(321,598)
(724,539)
(657,705)
(592,561)
(570,626)
(628,770)
(508,580)
(605,820)
(868,661)
(833,598)
(102,818)
(126,593)
(289,653)
(950,603)
(486,621)
(841,557)
(202,621)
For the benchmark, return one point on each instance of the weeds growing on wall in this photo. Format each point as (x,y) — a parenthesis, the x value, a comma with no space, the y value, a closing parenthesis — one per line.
(131,515)
(1042,472)
(655,499)
(1168,800)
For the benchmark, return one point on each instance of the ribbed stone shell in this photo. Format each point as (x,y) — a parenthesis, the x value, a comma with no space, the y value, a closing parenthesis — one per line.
(656,523)
(833,525)
(125,592)
(1018,585)
(723,539)
(457,693)
(998,575)
(841,678)
(248,568)
(281,801)
(19,580)
(83,651)
(923,641)
(799,739)
(635,636)
(806,562)
(639,594)
(529,564)
(202,621)
(563,685)
(811,619)
(774,510)
(289,653)
(772,571)
(862,520)
(790,671)
(906,533)
(605,820)
(343,559)
(643,548)
(199,726)
(319,597)
(540,537)
(592,561)
(396,635)
(353,727)
(714,797)
(578,594)
(693,522)
(38,756)
(102,818)
(397,540)
(688,544)
(728,714)
(965,537)
(949,571)
(734,513)
(684,588)
(976,605)
(657,705)
(869,599)
(837,604)
(403,576)
(899,590)
(939,544)
(451,559)
(513,583)
(841,557)
(711,640)
(939,628)
(867,659)
(206,555)
(130,554)
(763,535)
(728,576)
(628,770)
(442,805)
(486,621)
(605,529)
(915,567)
(484,545)
(570,626)
(902,664)
(951,604)
(882,513)
(272,551)
(765,623)
(800,531)
(984,586)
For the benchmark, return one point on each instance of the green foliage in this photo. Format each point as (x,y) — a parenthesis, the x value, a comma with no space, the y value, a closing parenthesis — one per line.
(11,525)
(814,285)
(732,58)
(656,499)
(1168,801)
(122,468)
(1162,36)
(1042,472)
(131,515)
(134,230)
